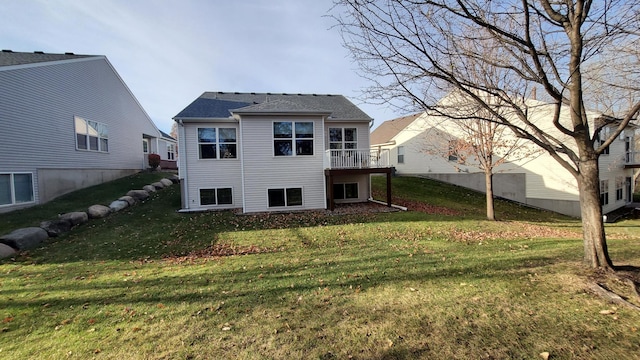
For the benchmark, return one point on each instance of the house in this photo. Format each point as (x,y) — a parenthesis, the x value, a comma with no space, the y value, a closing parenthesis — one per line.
(68,121)
(264,152)
(535,179)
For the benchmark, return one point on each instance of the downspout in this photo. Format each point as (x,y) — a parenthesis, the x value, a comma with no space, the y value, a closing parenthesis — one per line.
(182,165)
(324,188)
(241,138)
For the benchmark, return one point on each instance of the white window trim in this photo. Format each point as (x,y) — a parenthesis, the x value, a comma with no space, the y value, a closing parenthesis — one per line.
(13,190)
(342,142)
(604,185)
(217,143)
(171,151)
(233,198)
(400,153)
(293,139)
(145,141)
(344,191)
(86,133)
(285,197)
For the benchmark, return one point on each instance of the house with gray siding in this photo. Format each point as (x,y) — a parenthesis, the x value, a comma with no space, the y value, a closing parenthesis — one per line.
(262,152)
(67,121)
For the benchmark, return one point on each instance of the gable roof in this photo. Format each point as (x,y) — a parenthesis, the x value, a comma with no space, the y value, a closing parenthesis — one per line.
(10,58)
(223,104)
(390,128)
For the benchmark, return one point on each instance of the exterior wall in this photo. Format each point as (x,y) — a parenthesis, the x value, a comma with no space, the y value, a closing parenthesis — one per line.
(262,170)
(55,182)
(546,183)
(37,119)
(208,173)
(362,132)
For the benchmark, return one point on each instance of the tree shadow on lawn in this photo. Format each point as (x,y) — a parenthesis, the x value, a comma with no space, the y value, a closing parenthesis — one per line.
(236,285)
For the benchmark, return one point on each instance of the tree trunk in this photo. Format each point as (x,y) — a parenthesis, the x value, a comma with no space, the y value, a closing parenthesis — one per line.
(596,254)
(488,176)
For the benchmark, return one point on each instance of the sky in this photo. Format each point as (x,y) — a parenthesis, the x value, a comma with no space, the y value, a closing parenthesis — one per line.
(170,52)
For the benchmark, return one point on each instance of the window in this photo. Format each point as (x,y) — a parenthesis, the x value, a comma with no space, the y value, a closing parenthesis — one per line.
(604,192)
(16,188)
(216,196)
(217,143)
(171,151)
(400,154)
(602,137)
(285,197)
(292,138)
(91,135)
(619,188)
(145,146)
(453,151)
(343,138)
(345,191)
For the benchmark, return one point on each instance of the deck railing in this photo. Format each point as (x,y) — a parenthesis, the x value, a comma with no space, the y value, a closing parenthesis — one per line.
(356,159)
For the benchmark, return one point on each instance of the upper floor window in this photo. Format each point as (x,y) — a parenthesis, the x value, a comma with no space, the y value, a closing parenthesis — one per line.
(16,188)
(602,137)
(292,138)
(217,143)
(604,192)
(343,138)
(91,135)
(171,151)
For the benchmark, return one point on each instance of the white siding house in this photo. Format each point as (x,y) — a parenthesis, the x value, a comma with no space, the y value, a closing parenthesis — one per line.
(274,152)
(536,179)
(67,122)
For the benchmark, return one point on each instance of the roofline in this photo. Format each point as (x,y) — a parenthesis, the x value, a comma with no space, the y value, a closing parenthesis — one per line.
(203,119)
(53,62)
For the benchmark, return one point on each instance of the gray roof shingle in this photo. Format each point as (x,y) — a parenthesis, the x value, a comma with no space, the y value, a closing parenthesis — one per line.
(221,104)
(9,58)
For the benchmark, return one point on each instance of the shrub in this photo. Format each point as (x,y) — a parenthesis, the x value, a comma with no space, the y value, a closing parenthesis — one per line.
(154,161)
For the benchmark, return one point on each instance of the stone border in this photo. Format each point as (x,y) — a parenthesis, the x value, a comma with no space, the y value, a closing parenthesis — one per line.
(31,237)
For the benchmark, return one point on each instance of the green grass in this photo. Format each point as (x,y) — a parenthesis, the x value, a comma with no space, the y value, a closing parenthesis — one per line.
(77,201)
(145,284)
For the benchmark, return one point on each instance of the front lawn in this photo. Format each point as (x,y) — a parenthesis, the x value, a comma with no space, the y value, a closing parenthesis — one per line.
(150,283)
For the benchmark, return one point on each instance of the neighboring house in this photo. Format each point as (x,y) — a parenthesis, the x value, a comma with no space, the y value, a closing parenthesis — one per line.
(275,152)
(67,122)
(168,159)
(536,180)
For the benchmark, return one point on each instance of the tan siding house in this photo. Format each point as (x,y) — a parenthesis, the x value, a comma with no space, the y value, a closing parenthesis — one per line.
(536,180)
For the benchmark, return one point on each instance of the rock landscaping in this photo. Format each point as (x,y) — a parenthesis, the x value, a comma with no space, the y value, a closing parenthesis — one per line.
(31,237)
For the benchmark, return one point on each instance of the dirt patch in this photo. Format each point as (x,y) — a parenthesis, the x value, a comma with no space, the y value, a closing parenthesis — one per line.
(217,251)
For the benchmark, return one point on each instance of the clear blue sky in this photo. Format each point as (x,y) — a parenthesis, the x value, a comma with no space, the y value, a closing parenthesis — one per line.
(169,52)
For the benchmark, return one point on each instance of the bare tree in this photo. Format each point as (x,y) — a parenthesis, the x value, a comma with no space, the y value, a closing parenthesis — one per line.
(468,137)
(413,51)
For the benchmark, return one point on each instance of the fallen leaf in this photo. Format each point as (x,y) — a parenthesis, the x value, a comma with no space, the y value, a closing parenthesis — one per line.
(7,319)
(607,312)
(545,355)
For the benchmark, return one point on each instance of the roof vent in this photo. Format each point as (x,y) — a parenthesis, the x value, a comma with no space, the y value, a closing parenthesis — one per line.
(7,51)
(69,53)
(38,52)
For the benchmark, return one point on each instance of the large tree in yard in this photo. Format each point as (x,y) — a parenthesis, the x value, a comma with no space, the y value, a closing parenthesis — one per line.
(498,52)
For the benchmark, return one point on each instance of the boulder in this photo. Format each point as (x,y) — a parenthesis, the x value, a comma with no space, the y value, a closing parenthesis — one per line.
(6,251)
(166,182)
(139,195)
(149,188)
(174,179)
(118,205)
(56,227)
(98,211)
(130,200)
(25,238)
(76,217)
(158,185)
